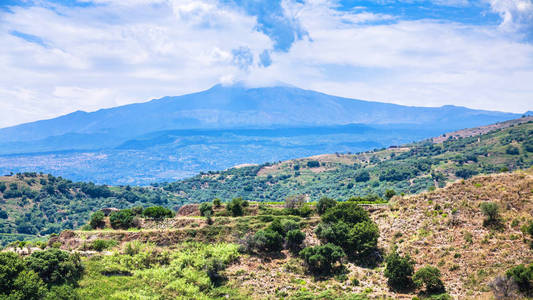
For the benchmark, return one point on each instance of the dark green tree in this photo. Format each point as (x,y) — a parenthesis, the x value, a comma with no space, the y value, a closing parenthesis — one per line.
(428,278)
(322,259)
(324,204)
(399,271)
(55,266)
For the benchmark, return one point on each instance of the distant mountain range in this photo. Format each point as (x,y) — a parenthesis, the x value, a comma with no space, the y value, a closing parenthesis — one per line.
(178,136)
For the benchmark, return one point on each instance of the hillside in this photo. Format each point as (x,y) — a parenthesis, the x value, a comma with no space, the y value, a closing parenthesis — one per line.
(409,168)
(177,137)
(38,204)
(443,228)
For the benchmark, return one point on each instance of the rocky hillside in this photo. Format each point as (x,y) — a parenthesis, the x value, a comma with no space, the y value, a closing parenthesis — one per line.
(444,228)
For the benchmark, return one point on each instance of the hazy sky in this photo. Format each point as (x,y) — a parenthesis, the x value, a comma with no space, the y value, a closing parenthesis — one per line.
(60,56)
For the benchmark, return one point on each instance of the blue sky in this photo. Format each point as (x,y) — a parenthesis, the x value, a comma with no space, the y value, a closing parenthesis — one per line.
(61,56)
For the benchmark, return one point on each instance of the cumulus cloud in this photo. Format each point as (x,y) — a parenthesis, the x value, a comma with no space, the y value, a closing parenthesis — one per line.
(101,53)
(517,15)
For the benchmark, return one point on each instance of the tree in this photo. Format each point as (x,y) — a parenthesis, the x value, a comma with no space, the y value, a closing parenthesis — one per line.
(362,176)
(348,212)
(236,206)
(321,260)
(512,150)
(157,212)
(324,204)
(389,194)
(217,202)
(491,212)
(363,238)
(206,209)
(399,271)
(295,239)
(523,276)
(28,286)
(267,241)
(97,220)
(121,219)
(313,164)
(10,266)
(429,278)
(55,266)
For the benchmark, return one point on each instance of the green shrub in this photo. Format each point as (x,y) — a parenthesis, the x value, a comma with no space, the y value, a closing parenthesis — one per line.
(512,150)
(100,245)
(348,212)
(267,241)
(523,276)
(295,239)
(491,212)
(236,206)
(324,204)
(97,220)
(428,278)
(389,194)
(10,266)
(399,271)
(217,202)
(313,164)
(55,266)
(206,209)
(62,292)
(122,219)
(28,286)
(358,240)
(321,260)
(157,212)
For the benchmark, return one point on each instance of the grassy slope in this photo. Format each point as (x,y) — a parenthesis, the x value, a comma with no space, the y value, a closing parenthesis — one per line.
(419,225)
(409,169)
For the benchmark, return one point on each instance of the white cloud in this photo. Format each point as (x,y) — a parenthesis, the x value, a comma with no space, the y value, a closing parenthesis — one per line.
(119,52)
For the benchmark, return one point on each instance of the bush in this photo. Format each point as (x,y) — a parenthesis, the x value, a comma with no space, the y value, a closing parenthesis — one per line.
(121,219)
(399,271)
(491,212)
(100,245)
(313,164)
(523,276)
(28,286)
(217,202)
(55,266)
(389,194)
(321,260)
(97,220)
(236,206)
(157,212)
(206,209)
(62,292)
(512,150)
(324,204)
(10,266)
(348,212)
(295,239)
(428,277)
(214,267)
(362,176)
(267,241)
(363,238)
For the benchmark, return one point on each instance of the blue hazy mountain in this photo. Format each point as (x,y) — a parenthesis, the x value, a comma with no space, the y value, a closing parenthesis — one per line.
(237,107)
(174,137)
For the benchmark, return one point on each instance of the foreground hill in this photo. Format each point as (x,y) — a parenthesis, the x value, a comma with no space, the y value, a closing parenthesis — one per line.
(176,137)
(444,228)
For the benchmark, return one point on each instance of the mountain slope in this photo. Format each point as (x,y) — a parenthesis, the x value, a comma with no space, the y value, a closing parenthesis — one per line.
(238,107)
